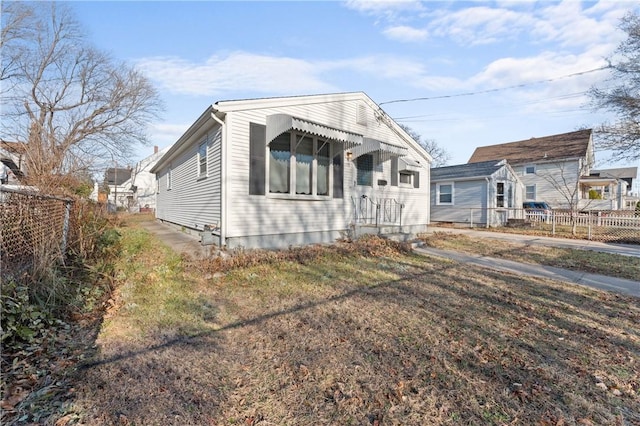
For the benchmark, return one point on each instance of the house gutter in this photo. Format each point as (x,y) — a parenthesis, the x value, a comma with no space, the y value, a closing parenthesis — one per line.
(223,179)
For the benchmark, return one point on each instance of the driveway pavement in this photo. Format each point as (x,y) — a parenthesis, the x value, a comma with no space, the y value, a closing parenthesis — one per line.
(600,282)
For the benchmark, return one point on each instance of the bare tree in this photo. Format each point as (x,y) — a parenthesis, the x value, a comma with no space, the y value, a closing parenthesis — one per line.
(17,25)
(564,178)
(440,155)
(70,103)
(622,96)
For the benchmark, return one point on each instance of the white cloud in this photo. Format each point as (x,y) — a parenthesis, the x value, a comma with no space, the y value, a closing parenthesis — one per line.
(480,25)
(405,33)
(235,71)
(272,75)
(384,7)
(165,134)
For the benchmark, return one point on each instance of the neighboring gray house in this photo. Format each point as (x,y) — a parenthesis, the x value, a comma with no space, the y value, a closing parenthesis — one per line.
(551,168)
(476,194)
(276,172)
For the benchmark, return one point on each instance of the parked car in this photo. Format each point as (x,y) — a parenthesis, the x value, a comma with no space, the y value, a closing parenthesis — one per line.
(538,210)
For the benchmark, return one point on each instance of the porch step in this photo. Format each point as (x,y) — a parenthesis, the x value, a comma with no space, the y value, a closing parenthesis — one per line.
(518,223)
(381,230)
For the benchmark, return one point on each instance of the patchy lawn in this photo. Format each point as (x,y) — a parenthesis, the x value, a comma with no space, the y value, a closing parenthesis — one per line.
(582,260)
(371,336)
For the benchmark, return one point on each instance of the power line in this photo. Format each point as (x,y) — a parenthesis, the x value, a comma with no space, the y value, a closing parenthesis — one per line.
(531,102)
(496,89)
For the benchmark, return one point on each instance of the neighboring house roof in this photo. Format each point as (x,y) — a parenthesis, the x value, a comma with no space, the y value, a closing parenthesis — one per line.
(620,173)
(466,171)
(11,156)
(117,176)
(627,174)
(548,148)
(13,147)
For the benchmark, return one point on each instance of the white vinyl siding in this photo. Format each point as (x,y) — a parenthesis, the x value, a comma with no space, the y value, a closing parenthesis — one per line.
(553,181)
(193,202)
(271,216)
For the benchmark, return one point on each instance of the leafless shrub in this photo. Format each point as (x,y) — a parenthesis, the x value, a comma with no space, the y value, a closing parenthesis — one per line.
(367,246)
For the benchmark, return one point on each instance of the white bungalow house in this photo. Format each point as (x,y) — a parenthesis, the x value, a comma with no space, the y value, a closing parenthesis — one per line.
(276,172)
(487,193)
(143,182)
(554,169)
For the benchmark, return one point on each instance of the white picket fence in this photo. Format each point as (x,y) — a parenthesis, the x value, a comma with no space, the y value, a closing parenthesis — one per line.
(611,219)
(613,225)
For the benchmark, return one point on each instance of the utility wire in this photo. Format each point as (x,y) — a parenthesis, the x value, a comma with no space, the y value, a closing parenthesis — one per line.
(498,89)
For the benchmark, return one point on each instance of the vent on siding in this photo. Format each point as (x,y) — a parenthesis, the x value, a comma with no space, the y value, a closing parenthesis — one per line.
(361,114)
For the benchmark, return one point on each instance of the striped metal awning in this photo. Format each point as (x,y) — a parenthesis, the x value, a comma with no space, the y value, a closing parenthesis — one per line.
(277,124)
(385,149)
(409,164)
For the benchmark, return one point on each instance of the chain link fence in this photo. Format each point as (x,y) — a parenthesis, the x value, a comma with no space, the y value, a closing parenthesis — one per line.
(34,231)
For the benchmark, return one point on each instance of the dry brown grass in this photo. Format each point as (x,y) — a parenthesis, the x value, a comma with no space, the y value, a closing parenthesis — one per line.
(343,337)
(582,260)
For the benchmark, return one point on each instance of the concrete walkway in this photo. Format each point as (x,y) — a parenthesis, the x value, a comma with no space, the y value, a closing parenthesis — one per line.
(600,282)
(621,249)
(183,242)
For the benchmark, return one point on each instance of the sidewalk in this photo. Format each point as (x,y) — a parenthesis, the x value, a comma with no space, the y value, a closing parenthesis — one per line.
(177,240)
(621,249)
(600,282)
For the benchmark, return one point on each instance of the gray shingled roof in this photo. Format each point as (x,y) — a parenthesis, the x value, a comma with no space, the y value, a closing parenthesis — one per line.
(465,171)
(620,173)
(122,175)
(554,147)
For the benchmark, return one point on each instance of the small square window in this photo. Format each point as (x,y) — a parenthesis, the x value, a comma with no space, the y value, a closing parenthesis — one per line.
(405,178)
(444,193)
(530,170)
(530,192)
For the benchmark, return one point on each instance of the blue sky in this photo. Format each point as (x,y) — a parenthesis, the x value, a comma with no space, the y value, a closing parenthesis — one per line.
(528,64)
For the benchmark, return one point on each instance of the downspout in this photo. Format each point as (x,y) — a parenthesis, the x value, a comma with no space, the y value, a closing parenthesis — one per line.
(223,180)
(488,209)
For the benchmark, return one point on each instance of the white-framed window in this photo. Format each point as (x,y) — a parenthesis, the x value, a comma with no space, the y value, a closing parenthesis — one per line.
(444,193)
(530,192)
(202,159)
(300,165)
(530,169)
(500,194)
(169,178)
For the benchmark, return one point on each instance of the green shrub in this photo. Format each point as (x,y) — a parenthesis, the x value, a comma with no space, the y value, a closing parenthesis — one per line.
(22,320)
